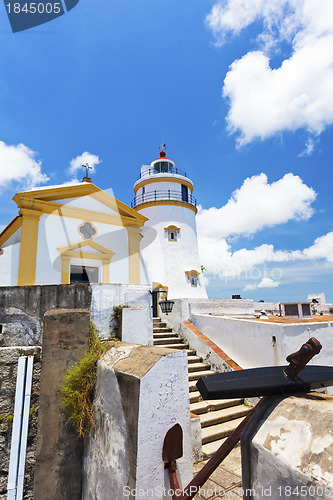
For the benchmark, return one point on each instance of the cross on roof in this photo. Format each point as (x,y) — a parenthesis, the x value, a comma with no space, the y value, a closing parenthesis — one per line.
(87,167)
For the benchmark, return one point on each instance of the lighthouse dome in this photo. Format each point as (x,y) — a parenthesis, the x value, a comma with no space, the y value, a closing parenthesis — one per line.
(161,181)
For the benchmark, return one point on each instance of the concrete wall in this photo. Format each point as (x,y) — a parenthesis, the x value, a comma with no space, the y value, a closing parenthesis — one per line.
(250,343)
(220,307)
(287,449)
(141,393)
(271,308)
(8,373)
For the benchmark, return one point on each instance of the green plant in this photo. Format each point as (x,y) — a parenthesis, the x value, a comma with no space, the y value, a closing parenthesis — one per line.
(77,390)
(10,419)
(331,310)
(202,268)
(1,418)
(247,404)
(115,322)
(32,410)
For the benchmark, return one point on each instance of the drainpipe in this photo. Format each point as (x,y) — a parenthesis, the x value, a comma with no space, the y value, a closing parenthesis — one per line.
(20,428)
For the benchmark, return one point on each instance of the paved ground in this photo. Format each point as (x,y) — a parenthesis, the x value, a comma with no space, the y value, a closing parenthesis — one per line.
(277,319)
(226,481)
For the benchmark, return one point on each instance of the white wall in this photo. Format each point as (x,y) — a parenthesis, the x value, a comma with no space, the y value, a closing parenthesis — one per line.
(86,202)
(55,232)
(9,264)
(166,260)
(105,297)
(250,343)
(124,451)
(162,186)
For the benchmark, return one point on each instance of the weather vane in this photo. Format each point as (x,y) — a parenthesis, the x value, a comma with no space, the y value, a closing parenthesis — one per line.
(162,146)
(86,166)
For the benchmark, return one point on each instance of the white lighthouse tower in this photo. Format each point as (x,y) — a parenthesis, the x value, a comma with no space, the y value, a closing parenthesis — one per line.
(169,246)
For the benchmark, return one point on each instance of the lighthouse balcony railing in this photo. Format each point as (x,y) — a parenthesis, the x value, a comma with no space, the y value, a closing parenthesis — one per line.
(163,195)
(162,170)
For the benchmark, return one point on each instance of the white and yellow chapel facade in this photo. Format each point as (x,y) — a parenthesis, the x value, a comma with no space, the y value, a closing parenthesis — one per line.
(70,233)
(79,233)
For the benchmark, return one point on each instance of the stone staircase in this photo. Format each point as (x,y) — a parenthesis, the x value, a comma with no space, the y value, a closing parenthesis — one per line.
(218,417)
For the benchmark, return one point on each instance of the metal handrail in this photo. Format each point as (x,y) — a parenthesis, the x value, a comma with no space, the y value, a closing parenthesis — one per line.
(172,170)
(167,194)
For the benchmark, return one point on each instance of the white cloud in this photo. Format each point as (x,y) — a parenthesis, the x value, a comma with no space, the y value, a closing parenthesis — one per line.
(258,204)
(321,249)
(254,206)
(299,94)
(76,163)
(18,163)
(264,283)
(309,147)
(221,262)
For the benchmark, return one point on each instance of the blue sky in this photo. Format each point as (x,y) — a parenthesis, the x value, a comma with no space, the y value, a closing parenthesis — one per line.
(240,90)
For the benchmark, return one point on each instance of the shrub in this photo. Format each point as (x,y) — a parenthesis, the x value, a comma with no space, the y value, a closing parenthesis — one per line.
(77,390)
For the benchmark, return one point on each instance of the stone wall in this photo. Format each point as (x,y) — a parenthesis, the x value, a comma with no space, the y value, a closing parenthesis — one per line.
(8,372)
(59,454)
(22,309)
(287,449)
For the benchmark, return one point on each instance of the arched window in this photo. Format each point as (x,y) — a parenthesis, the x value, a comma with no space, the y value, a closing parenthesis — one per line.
(172,232)
(192,277)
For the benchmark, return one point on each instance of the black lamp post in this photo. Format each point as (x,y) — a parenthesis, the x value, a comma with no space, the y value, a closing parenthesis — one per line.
(166,306)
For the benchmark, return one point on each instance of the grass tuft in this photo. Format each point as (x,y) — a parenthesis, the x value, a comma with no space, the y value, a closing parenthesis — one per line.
(77,390)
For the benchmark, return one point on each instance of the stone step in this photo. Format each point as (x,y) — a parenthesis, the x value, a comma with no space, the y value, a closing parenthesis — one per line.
(162,330)
(213,404)
(190,352)
(156,320)
(219,431)
(168,340)
(195,398)
(212,418)
(192,386)
(165,335)
(175,346)
(209,449)
(198,367)
(194,359)
(196,375)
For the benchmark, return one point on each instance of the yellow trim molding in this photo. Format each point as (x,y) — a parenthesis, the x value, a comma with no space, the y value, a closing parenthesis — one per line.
(65,270)
(106,270)
(28,247)
(134,238)
(75,191)
(148,204)
(145,182)
(175,228)
(10,230)
(69,252)
(192,273)
(80,213)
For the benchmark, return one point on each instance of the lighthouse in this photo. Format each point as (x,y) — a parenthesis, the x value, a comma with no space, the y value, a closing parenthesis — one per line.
(169,247)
